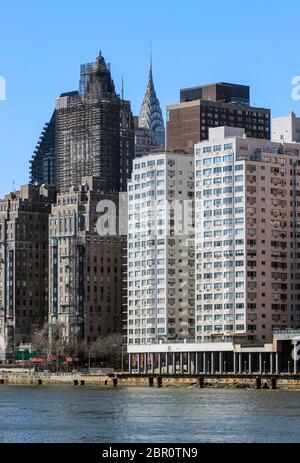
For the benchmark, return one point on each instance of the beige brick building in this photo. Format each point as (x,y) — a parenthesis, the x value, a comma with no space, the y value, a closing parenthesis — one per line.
(247,218)
(86,270)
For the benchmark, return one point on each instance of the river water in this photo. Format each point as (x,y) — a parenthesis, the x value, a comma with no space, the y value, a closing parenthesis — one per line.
(138,414)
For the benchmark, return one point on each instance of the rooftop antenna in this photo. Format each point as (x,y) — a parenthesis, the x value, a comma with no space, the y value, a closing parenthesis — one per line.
(150,56)
(122,88)
(14,186)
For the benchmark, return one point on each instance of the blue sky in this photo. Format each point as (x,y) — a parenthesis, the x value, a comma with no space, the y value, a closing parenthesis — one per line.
(42,45)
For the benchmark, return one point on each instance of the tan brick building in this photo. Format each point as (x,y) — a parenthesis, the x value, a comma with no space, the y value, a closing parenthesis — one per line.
(86,270)
(247,218)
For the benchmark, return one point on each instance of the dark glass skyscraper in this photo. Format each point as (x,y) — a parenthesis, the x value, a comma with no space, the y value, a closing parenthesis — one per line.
(93,134)
(42,164)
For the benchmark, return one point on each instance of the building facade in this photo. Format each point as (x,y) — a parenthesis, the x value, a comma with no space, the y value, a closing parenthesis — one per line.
(160,254)
(247,261)
(90,133)
(215,105)
(247,237)
(23,264)
(286,129)
(142,139)
(86,292)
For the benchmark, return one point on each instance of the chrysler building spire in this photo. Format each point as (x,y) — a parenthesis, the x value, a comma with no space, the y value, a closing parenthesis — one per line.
(151,115)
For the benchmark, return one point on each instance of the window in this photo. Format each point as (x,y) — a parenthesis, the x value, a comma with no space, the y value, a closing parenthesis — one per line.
(239,221)
(217,180)
(239,189)
(217,191)
(239,167)
(207,203)
(207,192)
(239,178)
(218,148)
(228,179)
(239,210)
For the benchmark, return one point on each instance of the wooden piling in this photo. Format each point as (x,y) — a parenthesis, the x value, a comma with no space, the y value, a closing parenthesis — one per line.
(257,382)
(150,381)
(159,381)
(201,381)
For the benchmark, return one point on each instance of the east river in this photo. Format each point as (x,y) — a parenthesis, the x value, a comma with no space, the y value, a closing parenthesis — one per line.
(138,414)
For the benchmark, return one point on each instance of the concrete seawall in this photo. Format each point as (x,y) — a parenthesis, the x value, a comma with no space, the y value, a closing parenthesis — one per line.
(208,380)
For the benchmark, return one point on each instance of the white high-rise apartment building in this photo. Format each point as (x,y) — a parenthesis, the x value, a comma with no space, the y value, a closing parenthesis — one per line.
(247,230)
(161,249)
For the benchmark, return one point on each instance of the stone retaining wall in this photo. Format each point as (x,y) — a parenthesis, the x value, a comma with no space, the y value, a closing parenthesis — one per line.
(236,381)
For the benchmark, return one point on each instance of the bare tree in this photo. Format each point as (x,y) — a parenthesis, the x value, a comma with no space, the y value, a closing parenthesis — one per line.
(51,339)
(109,348)
(40,340)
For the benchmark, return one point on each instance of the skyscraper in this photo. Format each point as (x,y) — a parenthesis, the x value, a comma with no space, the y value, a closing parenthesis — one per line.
(247,239)
(24,219)
(151,115)
(161,270)
(86,270)
(90,133)
(42,163)
(209,106)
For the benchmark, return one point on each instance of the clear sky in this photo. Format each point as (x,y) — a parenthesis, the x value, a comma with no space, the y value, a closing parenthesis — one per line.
(42,45)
